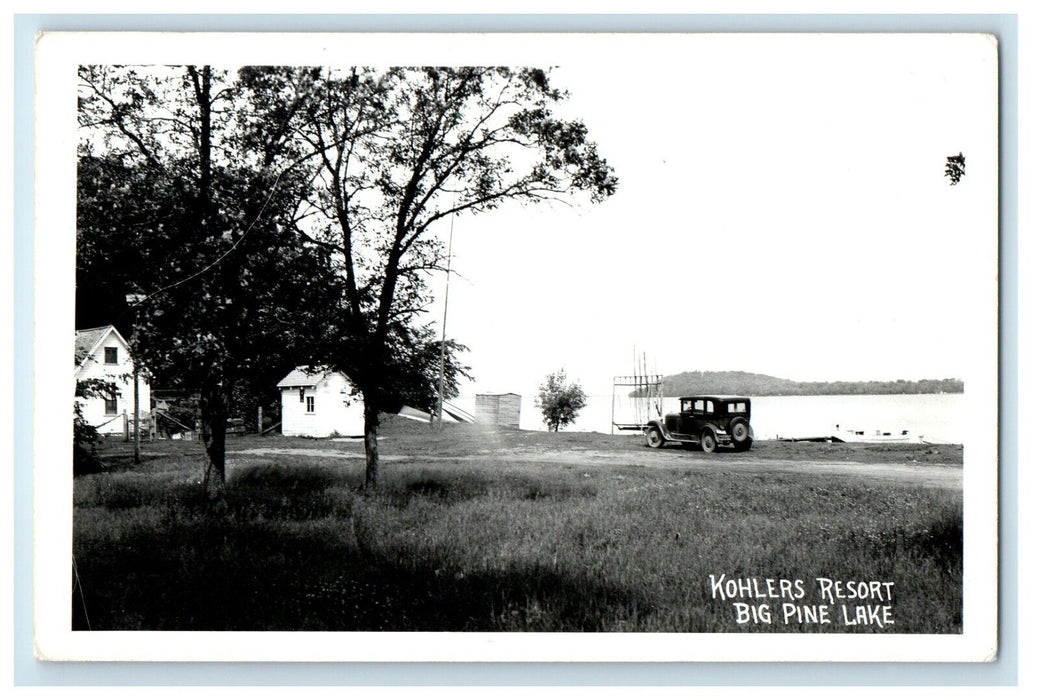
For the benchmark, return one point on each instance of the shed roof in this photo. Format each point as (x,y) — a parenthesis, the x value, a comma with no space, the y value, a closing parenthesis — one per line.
(301,377)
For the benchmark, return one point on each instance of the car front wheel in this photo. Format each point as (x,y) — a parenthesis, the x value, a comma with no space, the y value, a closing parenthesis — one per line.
(654,438)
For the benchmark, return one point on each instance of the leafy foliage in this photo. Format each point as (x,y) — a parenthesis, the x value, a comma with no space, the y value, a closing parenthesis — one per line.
(281,216)
(955,168)
(414,367)
(188,198)
(560,401)
(85,436)
(399,150)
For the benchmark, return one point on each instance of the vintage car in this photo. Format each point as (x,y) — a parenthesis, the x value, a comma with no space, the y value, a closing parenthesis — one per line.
(705,421)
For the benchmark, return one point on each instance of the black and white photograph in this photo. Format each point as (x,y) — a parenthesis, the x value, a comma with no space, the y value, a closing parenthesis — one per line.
(594,347)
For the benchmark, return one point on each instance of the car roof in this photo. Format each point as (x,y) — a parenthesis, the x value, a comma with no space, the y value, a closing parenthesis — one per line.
(716,397)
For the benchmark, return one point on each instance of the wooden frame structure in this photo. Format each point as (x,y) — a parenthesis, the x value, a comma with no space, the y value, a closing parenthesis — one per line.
(646,395)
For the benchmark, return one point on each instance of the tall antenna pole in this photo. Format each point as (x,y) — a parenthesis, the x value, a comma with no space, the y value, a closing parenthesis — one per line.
(443,326)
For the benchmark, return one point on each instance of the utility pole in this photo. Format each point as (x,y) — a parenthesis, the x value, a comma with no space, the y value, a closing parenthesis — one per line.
(443,327)
(134,300)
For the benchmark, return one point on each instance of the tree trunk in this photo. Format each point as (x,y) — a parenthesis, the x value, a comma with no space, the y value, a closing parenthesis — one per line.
(213,407)
(371,445)
(203,86)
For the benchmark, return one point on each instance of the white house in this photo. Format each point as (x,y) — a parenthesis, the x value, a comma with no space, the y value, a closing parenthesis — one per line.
(320,404)
(102,353)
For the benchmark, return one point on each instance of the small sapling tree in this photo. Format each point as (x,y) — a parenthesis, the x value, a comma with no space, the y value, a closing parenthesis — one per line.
(559,401)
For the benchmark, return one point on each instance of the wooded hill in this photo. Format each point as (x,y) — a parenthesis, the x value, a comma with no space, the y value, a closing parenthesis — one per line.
(751,384)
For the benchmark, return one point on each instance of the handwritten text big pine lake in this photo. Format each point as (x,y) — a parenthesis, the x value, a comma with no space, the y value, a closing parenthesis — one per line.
(782,601)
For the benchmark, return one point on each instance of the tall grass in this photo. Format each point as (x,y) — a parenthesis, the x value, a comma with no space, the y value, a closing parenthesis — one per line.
(473,546)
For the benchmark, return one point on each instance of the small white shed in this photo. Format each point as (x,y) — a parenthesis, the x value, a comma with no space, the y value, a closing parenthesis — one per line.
(102,353)
(498,409)
(320,404)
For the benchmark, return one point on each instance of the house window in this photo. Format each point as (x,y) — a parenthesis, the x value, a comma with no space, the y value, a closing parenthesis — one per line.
(110,405)
(111,356)
(301,390)
(310,404)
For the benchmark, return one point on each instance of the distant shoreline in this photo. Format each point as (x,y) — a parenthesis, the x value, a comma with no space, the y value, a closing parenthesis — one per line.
(751,384)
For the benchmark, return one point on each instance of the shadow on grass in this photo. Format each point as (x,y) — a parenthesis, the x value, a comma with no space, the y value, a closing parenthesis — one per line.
(222,576)
(942,542)
(294,482)
(439,488)
(387,595)
(86,462)
(939,542)
(926,565)
(265,491)
(450,489)
(278,553)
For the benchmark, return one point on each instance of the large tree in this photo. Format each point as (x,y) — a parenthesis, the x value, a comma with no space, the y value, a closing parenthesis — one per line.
(400,150)
(377,158)
(189,189)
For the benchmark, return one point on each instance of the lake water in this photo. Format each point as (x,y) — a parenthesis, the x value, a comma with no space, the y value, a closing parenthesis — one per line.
(936,417)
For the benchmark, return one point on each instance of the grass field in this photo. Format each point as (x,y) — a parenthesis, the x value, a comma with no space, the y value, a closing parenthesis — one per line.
(474,530)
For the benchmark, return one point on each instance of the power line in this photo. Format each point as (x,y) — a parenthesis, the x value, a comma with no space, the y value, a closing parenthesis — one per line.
(223,255)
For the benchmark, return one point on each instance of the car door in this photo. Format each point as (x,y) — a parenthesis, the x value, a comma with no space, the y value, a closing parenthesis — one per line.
(703,412)
(692,418)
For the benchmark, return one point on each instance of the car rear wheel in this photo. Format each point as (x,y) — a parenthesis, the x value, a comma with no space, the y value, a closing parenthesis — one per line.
(707,441)
(740,432)
(654,438)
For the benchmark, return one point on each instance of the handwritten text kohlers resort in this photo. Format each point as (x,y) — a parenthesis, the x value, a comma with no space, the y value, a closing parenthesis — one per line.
(816,601)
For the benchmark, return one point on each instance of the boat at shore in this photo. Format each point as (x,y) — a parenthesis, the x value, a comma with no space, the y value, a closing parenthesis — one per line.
(875,436)
(852,435)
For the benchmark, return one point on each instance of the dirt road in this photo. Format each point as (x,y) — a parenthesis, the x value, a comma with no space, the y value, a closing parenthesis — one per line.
(759,460)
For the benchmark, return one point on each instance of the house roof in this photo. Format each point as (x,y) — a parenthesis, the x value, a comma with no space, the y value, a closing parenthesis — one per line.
(301,377)
(88,339)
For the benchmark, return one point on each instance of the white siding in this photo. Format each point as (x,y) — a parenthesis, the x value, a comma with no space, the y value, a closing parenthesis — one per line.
(336,412)
(121,374)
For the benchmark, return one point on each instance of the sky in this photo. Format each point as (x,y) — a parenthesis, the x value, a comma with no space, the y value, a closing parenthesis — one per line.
(782,209)
(782,205)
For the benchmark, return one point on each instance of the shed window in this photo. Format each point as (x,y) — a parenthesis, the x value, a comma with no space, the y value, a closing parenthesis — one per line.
(301,394)
(310,404)
(110,406)
(111,356)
